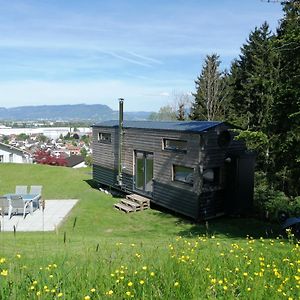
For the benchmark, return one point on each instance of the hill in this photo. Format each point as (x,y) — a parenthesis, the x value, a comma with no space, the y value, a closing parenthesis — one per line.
(101,253)
(78,112)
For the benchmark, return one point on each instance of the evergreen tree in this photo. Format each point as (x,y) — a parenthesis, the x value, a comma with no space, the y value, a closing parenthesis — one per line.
(252,82)
(286,108)
(210,92)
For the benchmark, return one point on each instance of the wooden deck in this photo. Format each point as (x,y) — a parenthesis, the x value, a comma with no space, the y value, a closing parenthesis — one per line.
(132,203)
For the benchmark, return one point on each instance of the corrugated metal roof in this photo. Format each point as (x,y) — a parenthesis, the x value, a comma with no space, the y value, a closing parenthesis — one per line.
(191,126)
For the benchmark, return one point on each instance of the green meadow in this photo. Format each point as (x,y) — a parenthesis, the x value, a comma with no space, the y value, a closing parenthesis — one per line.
(101,253)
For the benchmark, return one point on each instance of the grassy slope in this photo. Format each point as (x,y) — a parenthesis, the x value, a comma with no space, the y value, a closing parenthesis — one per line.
(91,251)
(96,220)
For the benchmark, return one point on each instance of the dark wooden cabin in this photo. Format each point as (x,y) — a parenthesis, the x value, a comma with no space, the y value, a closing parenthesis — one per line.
(195,168)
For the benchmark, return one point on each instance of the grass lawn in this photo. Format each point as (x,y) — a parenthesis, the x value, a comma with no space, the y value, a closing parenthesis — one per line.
(100,252)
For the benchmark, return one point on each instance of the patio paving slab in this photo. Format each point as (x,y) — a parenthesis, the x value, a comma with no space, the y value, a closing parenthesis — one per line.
(48,220)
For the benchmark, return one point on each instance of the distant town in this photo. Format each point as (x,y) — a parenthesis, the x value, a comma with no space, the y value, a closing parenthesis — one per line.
(46,142)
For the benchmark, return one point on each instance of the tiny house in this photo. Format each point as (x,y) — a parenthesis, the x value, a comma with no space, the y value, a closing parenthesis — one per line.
(195,168)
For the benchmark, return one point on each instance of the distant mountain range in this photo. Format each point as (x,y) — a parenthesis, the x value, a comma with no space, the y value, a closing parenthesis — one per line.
(76,112)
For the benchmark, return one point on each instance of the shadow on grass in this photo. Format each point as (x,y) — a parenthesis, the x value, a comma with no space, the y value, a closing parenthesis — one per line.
(232,227)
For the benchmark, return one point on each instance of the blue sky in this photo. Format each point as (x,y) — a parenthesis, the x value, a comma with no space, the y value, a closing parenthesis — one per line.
(94,51)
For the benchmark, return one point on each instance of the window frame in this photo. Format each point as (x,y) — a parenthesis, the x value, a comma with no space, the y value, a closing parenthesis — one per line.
(166,148)
(103,140)
(174,179)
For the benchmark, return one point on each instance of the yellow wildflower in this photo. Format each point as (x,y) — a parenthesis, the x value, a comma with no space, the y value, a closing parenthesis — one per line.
(59,295)
(4,273)
(130,283)
(93,290)
(176,284)
(142,281)
(87,297)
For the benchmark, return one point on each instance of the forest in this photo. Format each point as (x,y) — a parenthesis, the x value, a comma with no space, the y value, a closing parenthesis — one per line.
(260,95)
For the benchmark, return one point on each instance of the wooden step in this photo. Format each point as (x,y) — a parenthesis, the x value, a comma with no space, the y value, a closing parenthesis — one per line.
(143,201)
(123,207)
(133,204)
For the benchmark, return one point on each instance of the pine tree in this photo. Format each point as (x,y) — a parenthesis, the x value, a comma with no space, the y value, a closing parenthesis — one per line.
(252,82)
(209,97)
(286,108)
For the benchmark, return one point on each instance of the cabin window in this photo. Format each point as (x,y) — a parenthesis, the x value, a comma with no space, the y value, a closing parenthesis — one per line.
(183,174)
(175,145)
(211,176)
(104,137)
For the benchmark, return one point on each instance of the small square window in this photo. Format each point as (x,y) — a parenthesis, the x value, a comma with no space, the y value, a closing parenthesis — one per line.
(104,137)
(183,174)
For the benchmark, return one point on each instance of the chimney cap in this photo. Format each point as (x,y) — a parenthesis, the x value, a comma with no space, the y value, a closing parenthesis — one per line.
(121,99)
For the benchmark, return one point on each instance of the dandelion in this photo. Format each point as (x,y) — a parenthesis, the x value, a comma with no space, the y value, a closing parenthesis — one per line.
(18,255)
(130,283)
(2,260)
(87,297)
(248,289)
(93,290)
(152,274)
(59,295)
(245,274)
(144,268)
(142,282)
(110,292)
(176,284)
(4,273)
(225,288)
(38,293)
(128,293)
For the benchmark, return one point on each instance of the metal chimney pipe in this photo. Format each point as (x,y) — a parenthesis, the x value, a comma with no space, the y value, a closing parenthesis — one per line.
(121,117)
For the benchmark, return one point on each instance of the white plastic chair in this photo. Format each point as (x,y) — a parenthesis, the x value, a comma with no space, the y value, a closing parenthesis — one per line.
(17,203)
(5,206)
(36,190)
(21,190)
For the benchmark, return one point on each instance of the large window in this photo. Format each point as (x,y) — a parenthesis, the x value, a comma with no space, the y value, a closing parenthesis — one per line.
(104,137)
(183,174)
(175,145)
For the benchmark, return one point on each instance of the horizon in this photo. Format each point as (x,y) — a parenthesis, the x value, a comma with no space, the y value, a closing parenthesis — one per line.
(95,52)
